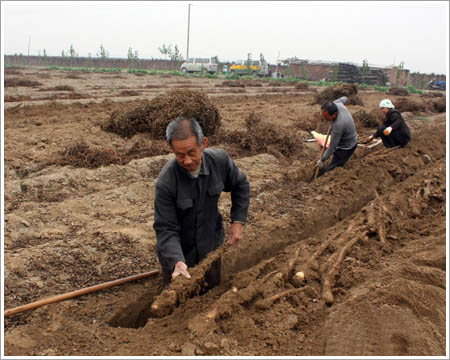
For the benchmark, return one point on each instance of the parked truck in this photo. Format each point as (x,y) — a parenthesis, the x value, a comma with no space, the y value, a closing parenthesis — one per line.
(437,85)
(244,67)
(255,68)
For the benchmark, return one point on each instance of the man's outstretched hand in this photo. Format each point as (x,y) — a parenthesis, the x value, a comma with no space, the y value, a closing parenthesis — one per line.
(236,233)
(180,268)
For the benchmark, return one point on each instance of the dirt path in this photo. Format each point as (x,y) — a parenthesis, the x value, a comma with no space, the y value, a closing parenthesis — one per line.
(369,238)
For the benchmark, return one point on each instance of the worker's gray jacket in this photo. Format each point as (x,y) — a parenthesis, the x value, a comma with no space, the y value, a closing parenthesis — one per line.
(343,133)
(188,224)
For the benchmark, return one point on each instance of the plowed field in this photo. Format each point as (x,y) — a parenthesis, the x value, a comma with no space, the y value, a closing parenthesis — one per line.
(369,238)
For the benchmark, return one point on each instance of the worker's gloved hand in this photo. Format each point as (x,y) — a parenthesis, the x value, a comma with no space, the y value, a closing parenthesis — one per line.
(320,164)
(180,268)
(387,131)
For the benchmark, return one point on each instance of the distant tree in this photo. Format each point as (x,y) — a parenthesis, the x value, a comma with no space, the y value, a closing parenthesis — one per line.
(304,71)
(133,57)
(261,58)
(165,50)
(44,53)
(72,52)
(399,73)
(335,74)
(176,56)
(249,63)
(63,54)
(365,70)
(103,53)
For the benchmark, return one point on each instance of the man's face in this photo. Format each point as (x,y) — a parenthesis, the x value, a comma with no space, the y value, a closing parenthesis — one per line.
(327,116)
(188,152)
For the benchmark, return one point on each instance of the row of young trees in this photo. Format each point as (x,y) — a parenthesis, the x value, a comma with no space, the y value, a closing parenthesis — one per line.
(169,52)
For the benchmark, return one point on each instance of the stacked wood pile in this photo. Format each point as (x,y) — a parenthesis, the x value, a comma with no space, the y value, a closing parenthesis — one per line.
(352,74)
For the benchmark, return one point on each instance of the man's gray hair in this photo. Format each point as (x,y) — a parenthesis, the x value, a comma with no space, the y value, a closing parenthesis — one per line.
(182,128)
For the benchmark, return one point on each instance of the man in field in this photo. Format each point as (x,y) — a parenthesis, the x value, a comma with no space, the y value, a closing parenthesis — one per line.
(344,138)
(188,224)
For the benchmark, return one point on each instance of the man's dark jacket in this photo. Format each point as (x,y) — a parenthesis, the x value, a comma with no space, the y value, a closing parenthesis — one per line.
(400,130)
(188,224)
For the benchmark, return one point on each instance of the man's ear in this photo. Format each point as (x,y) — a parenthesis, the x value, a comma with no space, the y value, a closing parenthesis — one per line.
(204,142)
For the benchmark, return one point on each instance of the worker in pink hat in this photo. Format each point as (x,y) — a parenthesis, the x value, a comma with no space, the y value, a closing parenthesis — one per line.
(394,131)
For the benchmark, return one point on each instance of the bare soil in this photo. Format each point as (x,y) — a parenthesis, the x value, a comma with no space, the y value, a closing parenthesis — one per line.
(369,238)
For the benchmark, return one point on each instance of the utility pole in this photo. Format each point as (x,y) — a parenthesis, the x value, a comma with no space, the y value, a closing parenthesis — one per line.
(29,41)
(189,22)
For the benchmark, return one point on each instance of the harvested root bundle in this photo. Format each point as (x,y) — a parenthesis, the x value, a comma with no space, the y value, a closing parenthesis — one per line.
(154,117)
(335,92)
(181,288)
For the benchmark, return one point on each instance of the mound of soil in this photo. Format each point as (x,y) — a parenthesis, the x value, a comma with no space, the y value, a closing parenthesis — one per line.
(398,91)
(432,94)
(412,105)
(73,76)
(366,119)
(154,117)
(301,86)
(335,92)
(12,82)
(252,83)
(231,83)
(276,83)
(82,155)
(438,104)
(260,137)
(59,88)
(12,71)
(129,93)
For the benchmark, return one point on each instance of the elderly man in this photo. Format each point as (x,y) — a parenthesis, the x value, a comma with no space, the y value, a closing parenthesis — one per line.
(394,131)
(188,223)
(343,134)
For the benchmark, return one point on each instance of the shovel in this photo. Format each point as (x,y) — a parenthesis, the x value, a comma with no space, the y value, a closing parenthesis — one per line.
(316,172)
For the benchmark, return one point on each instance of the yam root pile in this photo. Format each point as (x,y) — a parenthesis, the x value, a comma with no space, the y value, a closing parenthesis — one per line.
(153,117)
(260,136)
(335,92)
(82,155)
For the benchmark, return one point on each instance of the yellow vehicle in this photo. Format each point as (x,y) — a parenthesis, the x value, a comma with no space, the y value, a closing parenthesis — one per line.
(249,67)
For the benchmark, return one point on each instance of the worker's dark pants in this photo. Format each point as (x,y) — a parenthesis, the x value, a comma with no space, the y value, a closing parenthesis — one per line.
(340,157)
(396,138)
(212,276)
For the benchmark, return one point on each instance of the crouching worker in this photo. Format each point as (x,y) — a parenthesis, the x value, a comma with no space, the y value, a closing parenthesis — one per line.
(394,131)
(188,224)
(344,138)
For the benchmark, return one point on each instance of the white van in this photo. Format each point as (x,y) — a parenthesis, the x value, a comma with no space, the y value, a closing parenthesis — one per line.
(200,65)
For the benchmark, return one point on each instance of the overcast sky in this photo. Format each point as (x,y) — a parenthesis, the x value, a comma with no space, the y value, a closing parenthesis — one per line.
(384,33)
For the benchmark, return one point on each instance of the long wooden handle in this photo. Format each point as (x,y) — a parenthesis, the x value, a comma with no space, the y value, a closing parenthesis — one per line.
(80,292)
(323,150)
